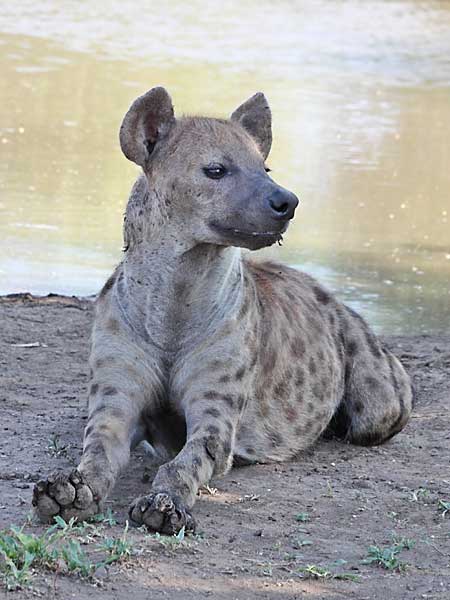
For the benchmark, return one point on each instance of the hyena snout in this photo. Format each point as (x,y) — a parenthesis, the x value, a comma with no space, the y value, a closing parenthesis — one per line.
(282,204)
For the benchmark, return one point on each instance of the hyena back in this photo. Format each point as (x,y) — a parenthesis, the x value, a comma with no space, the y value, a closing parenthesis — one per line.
(203,354)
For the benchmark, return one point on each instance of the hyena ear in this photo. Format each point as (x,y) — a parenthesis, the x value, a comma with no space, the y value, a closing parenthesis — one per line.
(255,117)
(148,120)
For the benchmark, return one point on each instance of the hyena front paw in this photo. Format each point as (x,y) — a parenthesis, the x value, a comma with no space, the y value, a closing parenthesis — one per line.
(64,495)
(161,512)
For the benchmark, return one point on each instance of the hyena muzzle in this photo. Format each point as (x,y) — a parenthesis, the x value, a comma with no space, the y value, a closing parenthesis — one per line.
(206,356)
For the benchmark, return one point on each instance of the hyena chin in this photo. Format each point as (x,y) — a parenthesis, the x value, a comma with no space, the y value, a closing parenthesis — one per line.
(205,355)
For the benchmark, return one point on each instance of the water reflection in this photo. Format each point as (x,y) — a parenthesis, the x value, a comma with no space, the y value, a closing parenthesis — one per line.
(362,122)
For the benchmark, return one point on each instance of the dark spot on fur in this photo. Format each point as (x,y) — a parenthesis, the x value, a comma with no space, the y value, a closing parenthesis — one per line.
(299,430)
(228,399)
(359,407)
(249,337)
(321,295)
(276,439)
(211,395)
(95,411)
(298,347)
(284,333)
(244,309)
(320,416)
(212,412)
(109,390)
(253,361)
(310,406)
(249,450)
(352,348)
(317,391)
(287,309)
(94,389)
(227,450)
(269,360)
(111,412)
(287,375)
(332,319)
(291,296)
(99,363)
(312,366)
(224,379)
(241,401)
(281,390)
(113,325)
(228,425)
(197,462)
(372,382)
(299,377)
(212,430)
(240,373)
(290,412)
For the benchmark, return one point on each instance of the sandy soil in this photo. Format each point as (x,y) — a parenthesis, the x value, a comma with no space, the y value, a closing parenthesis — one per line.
(252,544)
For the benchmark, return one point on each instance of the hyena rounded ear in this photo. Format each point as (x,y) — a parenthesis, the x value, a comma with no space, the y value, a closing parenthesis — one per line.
(148,120)
(255,117)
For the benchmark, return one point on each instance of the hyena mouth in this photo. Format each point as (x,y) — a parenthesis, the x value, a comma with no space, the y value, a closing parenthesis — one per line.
(267,237)
(257,233)
(273,236)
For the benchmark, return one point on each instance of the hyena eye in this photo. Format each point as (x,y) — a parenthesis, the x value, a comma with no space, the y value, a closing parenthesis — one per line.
(215,171)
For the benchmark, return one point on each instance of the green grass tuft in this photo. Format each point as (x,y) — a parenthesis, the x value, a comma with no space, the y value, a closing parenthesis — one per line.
(60,545)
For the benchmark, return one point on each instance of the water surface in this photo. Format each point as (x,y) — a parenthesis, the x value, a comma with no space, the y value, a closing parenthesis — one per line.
(360,94)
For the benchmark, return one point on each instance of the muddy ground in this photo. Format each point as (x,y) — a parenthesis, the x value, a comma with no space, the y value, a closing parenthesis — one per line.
(252,544)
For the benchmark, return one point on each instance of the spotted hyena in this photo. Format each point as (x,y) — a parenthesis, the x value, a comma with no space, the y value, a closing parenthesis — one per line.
(207,356)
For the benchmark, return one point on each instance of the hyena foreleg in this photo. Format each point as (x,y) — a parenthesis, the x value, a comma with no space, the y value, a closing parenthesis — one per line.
(211,428)
(112,427)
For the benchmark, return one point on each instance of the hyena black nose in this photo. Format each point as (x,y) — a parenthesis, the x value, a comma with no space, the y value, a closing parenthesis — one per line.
(283,204)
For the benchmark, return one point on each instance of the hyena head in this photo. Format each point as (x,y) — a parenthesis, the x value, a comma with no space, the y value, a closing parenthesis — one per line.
(209,175)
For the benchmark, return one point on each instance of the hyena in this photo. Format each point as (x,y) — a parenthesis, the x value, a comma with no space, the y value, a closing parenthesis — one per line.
(206,356)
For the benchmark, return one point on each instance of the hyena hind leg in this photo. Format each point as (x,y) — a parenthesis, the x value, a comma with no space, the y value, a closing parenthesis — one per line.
(377,401)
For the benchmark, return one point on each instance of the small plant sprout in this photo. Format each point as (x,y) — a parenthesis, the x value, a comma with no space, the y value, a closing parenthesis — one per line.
(388,557)
(56,449)
(444,507)
(212,491)
(300,543)
(171,541)
(117,548)
(302,517)
(420,493)
(318,572)
(105,518)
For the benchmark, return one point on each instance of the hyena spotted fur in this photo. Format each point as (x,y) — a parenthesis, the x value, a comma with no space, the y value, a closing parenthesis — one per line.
(208,357)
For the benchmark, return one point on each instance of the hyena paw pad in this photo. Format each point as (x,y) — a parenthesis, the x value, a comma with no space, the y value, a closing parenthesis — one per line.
(160,512)
(64,495)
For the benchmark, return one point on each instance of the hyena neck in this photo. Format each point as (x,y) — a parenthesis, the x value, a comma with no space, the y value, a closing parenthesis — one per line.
(181,295)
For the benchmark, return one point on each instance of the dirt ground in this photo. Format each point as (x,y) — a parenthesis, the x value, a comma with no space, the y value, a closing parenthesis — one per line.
(255,536)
